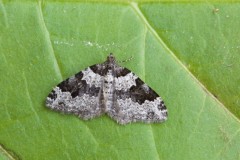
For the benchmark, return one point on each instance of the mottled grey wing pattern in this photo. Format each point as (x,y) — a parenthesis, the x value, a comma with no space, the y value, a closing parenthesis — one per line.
(74,96)
(136,103)
(108,88)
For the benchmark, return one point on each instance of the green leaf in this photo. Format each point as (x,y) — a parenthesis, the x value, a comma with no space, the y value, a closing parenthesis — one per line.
(177,48)
(6,154)
(204,39)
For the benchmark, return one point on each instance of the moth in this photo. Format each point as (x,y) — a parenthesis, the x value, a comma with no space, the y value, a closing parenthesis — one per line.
(111,89)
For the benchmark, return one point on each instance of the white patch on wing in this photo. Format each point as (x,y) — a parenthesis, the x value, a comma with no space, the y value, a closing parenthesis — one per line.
(145,88)
(129,111)
(91,78)
(77,105)
(125,82)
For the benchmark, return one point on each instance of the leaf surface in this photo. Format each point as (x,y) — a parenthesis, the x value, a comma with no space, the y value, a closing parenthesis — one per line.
(43,43)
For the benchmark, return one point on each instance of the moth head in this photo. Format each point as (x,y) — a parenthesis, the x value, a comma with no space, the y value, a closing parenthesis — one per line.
(111,58)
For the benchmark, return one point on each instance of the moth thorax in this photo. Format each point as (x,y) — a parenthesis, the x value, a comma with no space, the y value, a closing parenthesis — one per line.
(109,77)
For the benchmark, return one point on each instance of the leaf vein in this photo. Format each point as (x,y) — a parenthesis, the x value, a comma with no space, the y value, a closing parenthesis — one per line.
(48,39)
(135,7)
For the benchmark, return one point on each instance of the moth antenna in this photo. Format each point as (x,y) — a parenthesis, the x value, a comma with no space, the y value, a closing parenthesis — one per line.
(126,60)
